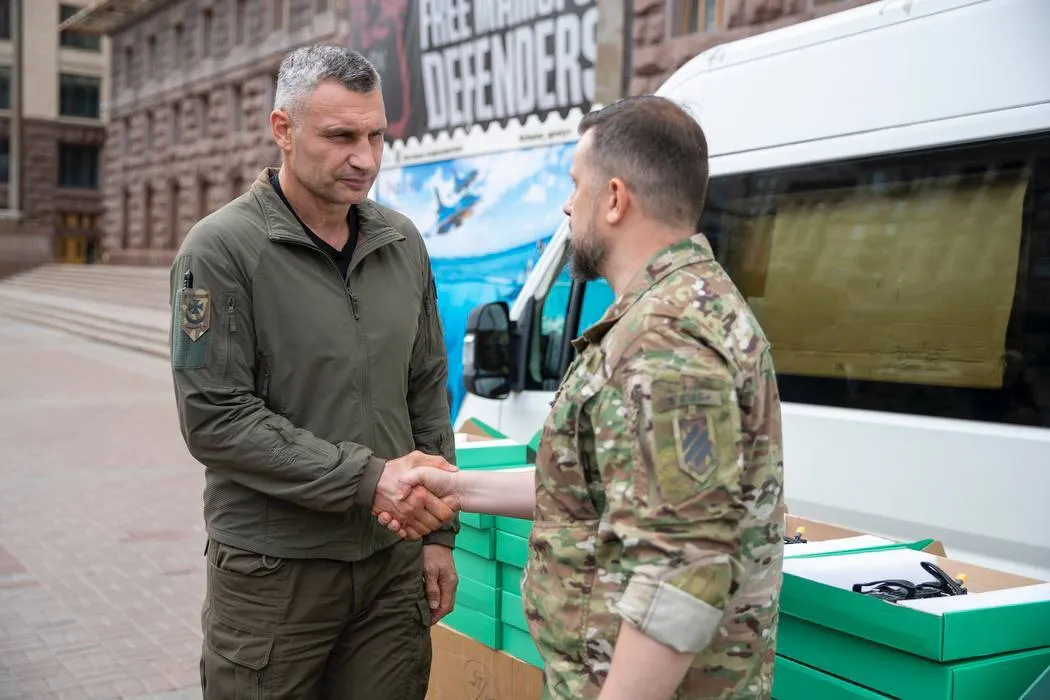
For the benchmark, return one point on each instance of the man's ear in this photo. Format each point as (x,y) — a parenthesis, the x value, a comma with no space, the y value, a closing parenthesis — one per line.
(281,127)
(618,201)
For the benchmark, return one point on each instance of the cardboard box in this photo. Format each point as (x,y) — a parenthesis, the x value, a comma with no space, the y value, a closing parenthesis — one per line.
(511,549)
(516,526)
(510,578)
(463,669)
(795,681)
(477,521)
(480,569)
(478,596)
(1001,613)
(512,612)
(479,542)
(519,644)
(823,539)
(534,443)
(483,452)
(1040,689)
(478,428)
(903,675)
(480,446)
(480,627)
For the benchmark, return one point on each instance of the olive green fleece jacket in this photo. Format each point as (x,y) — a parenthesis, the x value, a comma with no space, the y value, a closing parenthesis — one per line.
(295,385)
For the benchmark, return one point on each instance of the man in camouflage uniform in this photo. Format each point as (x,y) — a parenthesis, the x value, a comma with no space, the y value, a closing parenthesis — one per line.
(659,479)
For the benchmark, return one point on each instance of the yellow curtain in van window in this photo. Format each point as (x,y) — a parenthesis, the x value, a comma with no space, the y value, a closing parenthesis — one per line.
(913,284)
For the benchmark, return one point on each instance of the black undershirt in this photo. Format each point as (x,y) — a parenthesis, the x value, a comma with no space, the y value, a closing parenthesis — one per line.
(341,258)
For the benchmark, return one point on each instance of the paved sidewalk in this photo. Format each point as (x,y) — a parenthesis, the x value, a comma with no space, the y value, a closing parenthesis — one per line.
(101,537)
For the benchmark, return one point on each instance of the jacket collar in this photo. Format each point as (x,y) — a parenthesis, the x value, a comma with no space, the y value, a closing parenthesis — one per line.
(283,227)
(695,249)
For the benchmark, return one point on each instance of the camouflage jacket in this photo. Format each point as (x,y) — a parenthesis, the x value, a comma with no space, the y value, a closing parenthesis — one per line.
(660,488)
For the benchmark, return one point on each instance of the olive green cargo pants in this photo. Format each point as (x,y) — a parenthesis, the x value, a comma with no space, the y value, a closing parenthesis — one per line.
(314,628)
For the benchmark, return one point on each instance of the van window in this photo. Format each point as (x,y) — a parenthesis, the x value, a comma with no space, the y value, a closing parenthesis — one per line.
(911,284)
(545,350)
(549,354)
(597,298)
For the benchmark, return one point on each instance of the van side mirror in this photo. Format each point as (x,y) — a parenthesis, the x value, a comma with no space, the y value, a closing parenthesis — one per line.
(486,351)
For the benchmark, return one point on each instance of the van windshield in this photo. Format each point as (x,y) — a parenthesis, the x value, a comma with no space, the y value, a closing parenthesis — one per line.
(914,284)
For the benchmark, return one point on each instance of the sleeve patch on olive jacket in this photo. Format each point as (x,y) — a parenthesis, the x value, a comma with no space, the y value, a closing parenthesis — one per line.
(190,340)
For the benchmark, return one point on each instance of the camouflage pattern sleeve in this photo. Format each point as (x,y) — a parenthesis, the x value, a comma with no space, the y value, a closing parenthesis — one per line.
(669,452)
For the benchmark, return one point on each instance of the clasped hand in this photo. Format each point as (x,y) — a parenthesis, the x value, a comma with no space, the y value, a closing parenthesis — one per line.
(414,494)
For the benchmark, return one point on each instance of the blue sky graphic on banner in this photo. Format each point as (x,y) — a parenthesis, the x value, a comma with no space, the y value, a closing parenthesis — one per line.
(484,220)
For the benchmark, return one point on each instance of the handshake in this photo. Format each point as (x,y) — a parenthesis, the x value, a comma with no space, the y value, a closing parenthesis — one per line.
(416,494)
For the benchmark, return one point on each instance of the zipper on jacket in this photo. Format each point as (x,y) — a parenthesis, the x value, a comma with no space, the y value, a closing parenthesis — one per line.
(368,381)
(353,301)
(231,317)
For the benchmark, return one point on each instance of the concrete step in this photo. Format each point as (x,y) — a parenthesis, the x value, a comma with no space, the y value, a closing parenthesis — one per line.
(117,315)
(91,328)
(114,272)
(133,294)
(111,321)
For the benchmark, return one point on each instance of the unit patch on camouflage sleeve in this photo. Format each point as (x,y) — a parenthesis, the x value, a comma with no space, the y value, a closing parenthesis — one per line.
(695,444)
(189,344)
(686,436)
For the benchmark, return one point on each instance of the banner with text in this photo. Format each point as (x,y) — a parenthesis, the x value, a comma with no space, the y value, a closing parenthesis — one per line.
(449,64)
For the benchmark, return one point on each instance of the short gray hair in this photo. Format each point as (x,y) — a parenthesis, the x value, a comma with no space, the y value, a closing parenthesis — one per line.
(303,69)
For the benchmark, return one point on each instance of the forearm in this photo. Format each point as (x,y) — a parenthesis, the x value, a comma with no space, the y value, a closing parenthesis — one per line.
(247,443)
(511,493)
(643,668)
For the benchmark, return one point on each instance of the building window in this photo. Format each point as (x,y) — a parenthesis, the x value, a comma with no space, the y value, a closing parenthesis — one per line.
(151,57)
(72,39)
(129,67)
(240,21)
(693,16)
(202,115)
(174,235)
(78,166)
(78,96)
(203,198)
(5,19)
(5,159)
(176,124)
(178,46)
(5,87)
(149,132)
(207,35)
(126,130)
(279,9)
(236,108)
(322,5)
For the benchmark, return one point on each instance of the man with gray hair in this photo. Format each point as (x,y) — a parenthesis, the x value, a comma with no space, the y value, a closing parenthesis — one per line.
(310,370)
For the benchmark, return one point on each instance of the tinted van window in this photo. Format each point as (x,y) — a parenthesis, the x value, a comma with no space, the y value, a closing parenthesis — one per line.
(917,283)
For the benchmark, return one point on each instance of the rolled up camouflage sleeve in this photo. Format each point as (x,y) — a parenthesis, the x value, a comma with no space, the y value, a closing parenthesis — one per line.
(668,442)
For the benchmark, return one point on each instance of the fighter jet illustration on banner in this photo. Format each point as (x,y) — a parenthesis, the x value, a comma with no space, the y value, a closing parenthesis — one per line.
(451,216)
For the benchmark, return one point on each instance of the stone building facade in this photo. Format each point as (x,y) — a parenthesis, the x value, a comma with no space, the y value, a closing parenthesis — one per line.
(188,128)
(192,85)
(51,135)
(665,34)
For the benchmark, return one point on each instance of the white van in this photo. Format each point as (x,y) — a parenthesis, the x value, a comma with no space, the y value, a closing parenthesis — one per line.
(880,193)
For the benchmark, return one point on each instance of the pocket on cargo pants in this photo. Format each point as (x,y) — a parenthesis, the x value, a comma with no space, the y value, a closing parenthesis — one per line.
(234,662)
(245,597)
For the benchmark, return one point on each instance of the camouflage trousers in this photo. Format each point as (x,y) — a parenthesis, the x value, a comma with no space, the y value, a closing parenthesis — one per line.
(315,628)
